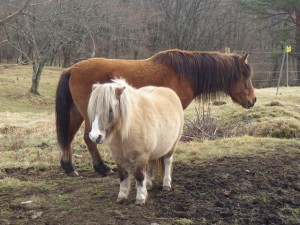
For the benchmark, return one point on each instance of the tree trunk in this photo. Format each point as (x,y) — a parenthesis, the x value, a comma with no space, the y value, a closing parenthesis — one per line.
(135,54)
(66,50)
(51,61)
(67,61)
(297,48)
(36,76)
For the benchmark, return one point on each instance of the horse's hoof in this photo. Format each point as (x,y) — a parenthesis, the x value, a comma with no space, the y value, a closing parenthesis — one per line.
(103,170)
(121,200)
(68,167)
(140,201)
(114,169)
(73,174)
(166,188)
(110,172)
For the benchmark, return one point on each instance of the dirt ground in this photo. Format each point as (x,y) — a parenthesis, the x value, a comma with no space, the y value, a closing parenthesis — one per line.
(263,189)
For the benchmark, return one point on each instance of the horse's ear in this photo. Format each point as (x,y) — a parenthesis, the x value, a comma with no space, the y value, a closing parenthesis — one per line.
(245,58)
(119,91)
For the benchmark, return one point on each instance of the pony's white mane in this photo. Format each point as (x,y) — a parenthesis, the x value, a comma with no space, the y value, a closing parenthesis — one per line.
(126,100)
(103,98)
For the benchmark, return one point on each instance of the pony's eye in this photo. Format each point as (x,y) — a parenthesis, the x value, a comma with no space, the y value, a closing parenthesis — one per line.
(110,115)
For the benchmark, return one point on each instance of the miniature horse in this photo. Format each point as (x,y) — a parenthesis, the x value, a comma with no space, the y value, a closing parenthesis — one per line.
(141,126)
(192,75)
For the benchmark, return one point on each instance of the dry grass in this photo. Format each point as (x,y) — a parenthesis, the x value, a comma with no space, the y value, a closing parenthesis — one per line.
(15,84)
(27,130)
(207,150)
(273,116)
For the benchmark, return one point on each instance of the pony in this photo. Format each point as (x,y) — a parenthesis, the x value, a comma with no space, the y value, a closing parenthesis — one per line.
(141,126)
(191,74)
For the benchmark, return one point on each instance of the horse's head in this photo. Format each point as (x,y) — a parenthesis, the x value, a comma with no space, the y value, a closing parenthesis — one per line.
(242,91)
(104,110)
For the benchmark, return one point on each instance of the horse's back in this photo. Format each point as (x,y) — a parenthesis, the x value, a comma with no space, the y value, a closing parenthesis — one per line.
(96,70)
(163,97)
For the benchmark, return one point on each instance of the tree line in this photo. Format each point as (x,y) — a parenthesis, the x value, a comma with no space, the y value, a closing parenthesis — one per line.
(62,32)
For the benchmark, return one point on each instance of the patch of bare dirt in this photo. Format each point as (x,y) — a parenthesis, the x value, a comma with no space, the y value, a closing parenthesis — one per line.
(262,189)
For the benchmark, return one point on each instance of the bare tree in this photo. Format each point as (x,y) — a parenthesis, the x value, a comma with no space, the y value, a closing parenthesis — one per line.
(45,31)
(51,31)
(285,13)
(11,16)
(14,14)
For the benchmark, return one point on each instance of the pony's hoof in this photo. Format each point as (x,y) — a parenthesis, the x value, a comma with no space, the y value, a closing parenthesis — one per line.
(166,188)
(149,186)
(121,200)
(140,201)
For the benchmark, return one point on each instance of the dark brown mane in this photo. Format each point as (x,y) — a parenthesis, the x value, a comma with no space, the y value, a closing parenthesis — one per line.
(208,72)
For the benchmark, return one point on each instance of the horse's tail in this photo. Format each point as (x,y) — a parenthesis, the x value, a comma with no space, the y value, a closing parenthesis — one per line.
(160,167)
(63,105)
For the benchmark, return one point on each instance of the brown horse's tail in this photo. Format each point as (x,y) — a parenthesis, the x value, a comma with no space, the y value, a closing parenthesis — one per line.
(63,105)
(160,167)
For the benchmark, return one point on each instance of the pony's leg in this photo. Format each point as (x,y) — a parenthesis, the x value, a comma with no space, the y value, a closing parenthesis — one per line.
(66,159)
(150,175)
(99,166)
(140,176)
(124,181)
(167,174)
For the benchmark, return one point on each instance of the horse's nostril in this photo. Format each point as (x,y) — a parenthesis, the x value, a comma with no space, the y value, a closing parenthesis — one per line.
(251,104)
(99,139)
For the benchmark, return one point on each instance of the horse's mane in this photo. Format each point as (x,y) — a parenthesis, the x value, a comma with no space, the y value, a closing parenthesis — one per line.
(103,99)
(209,73)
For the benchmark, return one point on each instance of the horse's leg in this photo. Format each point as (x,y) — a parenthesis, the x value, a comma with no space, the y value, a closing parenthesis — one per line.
(167,174)
(66,159)
(123,170)
(150,175)
(140,176)
(99,166)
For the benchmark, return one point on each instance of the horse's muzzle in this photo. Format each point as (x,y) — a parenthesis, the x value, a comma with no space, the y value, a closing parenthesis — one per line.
(100,139)
(250,104)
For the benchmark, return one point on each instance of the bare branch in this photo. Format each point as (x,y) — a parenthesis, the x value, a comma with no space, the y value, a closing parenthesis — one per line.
(15,13)
(3,42)
(94,45)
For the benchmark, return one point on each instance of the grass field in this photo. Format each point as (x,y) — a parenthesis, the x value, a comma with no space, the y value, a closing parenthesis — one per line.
(243,170)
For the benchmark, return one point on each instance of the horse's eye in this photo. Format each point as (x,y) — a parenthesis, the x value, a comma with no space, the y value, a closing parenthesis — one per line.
(246,84)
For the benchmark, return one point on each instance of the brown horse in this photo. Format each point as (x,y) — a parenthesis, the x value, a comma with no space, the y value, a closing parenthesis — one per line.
(200,75)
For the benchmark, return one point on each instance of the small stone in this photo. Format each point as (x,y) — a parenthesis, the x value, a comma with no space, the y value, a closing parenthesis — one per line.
(227,193)
(36,215)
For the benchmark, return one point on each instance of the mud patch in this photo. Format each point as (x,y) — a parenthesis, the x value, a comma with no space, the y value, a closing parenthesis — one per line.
(262,189)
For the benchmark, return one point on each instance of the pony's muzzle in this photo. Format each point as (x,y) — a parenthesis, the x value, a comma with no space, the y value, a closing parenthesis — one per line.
(100,139)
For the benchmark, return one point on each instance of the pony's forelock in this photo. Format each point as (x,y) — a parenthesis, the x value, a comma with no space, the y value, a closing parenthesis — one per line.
(103,97)
(100,102)
(125,106)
